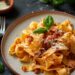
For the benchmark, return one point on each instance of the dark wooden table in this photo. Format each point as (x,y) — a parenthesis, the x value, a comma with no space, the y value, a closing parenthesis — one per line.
(22,7)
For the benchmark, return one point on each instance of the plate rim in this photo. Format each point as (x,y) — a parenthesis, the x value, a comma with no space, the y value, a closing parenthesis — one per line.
(20,20)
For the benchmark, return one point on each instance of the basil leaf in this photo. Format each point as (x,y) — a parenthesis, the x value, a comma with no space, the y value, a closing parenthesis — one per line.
(40,30)
(1,67)
(57,2)
(48,22)
(45,1)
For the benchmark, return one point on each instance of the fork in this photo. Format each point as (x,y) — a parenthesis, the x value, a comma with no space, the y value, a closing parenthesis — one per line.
(2,25)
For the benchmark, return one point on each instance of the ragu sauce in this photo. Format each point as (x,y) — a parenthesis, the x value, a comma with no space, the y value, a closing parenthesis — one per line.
(51,36)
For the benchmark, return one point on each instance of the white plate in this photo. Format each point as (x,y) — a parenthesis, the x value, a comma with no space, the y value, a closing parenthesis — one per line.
(14,30)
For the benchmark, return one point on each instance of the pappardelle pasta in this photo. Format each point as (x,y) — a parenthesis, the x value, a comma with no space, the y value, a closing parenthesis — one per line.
(46,47)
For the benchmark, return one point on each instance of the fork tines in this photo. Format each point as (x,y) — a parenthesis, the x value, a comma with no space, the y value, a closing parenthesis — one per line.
(2,24)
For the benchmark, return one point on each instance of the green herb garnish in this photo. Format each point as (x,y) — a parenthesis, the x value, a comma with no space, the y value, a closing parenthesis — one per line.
(1,67)
(45,1)
(48,22)
(57,2)
(40,30)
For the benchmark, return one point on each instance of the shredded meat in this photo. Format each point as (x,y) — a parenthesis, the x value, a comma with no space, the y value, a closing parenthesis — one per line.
(71,63)
(24,68)
(49,38)
(38,54)
(37,71)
